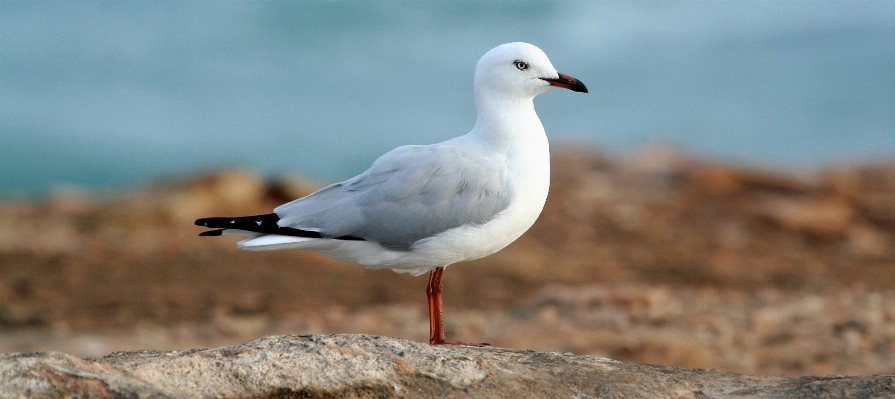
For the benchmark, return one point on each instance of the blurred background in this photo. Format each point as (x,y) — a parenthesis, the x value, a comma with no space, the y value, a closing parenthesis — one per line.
(724,197)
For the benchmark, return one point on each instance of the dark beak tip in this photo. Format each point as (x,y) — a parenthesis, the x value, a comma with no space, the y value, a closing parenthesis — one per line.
(567,82)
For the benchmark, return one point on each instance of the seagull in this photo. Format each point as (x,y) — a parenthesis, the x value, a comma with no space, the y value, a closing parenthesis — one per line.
(420,208)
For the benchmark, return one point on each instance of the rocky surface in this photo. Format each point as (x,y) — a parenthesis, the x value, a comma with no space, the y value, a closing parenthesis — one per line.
(653,257)
(360,366)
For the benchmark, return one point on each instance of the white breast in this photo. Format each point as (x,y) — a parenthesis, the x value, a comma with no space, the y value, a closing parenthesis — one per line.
(529,178)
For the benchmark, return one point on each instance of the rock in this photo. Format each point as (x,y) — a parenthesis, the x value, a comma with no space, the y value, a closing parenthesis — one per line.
(868,242)
(68,200)
(818,216)
(225,190)
(361,366)
(288,187)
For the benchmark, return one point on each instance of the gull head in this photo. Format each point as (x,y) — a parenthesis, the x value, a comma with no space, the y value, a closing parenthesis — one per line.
(519,70)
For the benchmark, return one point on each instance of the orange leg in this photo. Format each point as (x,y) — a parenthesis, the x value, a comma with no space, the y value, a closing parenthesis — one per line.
(436,319)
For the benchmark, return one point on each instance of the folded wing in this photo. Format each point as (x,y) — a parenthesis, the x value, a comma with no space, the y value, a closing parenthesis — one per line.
(410,193)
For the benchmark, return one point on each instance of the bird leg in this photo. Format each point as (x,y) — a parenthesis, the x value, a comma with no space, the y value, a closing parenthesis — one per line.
(436,319)
(433,291)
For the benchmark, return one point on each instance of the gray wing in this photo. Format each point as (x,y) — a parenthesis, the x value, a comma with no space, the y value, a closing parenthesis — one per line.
(408,194)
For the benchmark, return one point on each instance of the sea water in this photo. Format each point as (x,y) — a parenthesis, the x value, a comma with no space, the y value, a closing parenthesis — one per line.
(104,94)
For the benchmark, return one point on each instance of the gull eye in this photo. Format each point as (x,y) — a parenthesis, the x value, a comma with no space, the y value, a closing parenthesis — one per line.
(520,65)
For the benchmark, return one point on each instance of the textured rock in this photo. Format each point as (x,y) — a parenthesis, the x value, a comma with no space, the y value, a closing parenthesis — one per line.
(361,366)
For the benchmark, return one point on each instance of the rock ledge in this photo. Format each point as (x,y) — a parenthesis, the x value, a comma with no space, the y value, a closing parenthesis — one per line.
(363,366)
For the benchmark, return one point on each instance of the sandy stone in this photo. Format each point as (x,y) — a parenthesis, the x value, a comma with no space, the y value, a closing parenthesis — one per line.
(288,187)
(822,216)
(232,188)
(869,242)
(362,366)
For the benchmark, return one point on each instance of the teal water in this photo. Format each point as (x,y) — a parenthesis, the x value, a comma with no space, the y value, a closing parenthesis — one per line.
(103,94)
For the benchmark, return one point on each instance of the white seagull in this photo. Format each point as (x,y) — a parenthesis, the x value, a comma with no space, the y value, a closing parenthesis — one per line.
(420,208)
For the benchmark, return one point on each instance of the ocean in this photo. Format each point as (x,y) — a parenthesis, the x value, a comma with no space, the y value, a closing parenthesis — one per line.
(114,93)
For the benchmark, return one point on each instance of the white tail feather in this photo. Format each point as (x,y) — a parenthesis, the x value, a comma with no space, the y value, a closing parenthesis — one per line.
(270,242)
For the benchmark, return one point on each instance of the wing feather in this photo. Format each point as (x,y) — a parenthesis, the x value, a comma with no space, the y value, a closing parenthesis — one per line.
(408,194)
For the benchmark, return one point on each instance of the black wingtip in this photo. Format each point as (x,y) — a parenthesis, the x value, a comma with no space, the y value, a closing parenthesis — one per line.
(264,224)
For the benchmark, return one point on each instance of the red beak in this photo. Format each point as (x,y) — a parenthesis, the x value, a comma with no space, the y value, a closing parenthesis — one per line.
(567,82)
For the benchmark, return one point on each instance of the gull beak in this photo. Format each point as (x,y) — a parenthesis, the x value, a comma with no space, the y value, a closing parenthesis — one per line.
(567,82)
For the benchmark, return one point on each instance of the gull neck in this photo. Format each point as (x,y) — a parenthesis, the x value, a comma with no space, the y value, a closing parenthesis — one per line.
(504,121)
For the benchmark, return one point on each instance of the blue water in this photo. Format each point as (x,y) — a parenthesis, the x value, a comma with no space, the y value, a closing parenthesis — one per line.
(104,94)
